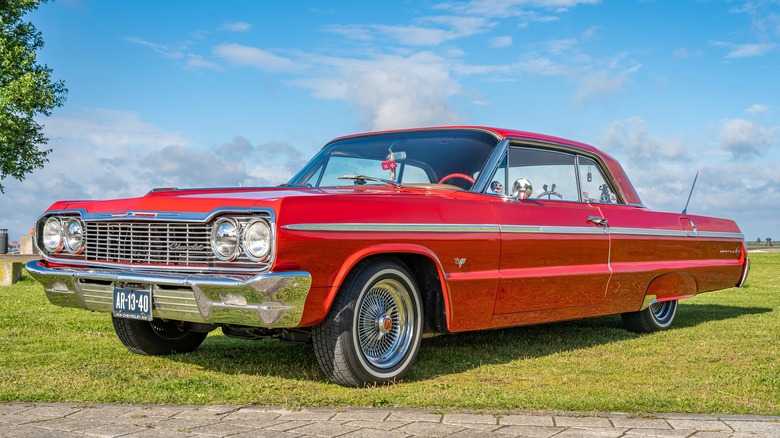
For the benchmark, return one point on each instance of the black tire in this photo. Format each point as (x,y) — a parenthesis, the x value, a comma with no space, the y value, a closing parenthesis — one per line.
(158,337)
(372,333)
(656,317)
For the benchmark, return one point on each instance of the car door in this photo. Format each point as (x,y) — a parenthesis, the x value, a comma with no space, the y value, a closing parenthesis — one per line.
(554,245)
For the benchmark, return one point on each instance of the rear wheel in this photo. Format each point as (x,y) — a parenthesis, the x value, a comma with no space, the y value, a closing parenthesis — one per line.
(372,332)
(157,337)
(657,316)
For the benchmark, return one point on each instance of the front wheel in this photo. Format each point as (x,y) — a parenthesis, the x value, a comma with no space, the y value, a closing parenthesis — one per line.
(657,316)
(372,332)
(157,337)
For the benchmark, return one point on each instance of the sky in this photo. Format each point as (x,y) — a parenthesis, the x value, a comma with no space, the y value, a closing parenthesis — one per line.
(204,93)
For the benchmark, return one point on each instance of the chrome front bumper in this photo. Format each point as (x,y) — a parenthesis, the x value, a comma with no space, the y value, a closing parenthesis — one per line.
(273,300)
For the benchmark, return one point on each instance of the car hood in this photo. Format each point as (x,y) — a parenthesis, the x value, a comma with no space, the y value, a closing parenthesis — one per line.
(207,200)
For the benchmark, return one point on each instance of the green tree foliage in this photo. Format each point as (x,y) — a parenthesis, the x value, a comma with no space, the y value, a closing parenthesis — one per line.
(26,91)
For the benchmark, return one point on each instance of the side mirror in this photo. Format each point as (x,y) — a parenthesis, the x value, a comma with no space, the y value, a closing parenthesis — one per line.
(522,189)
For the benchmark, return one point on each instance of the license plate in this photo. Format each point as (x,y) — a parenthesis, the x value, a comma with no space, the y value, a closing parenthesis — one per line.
(133,304)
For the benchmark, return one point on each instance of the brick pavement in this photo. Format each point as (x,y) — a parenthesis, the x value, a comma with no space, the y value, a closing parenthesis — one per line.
(75,420)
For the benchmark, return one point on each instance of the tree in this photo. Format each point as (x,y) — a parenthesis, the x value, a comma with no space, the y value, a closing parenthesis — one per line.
(26,91)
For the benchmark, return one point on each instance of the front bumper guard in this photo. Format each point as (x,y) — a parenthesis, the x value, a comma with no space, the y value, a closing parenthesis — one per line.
(273,300)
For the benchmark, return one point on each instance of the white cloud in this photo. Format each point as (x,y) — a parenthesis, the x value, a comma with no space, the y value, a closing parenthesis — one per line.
(632,138)
(161,49)
(749,50)
(501,41)
(196,62)
(427,31)
(510,8)
(599,85)
(247,56)
(238,26)
(742,138)
(758,109)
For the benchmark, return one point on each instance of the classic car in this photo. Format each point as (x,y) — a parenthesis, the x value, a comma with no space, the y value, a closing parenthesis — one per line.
(382,239)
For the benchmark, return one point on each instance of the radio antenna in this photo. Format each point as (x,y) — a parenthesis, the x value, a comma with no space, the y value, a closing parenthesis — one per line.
(685,210)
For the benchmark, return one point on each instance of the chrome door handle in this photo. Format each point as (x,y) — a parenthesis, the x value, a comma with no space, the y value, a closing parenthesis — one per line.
(602,221)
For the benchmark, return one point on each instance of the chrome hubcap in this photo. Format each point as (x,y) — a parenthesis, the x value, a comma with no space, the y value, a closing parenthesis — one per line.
(384,323)
(663,312)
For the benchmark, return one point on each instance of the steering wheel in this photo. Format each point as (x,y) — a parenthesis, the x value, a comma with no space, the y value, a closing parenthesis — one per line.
(457,175)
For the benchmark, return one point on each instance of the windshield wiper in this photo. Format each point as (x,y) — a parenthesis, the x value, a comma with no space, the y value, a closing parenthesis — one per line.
(361,179)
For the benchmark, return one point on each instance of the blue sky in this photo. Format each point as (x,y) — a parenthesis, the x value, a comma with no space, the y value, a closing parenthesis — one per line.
(241,92)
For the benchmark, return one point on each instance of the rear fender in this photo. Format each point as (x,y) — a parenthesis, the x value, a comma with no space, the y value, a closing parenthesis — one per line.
(670,287)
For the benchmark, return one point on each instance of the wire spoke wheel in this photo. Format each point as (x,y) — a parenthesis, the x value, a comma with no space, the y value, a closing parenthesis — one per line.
(384,323)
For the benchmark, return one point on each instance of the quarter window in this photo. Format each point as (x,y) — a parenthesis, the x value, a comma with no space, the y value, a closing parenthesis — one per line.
(551,174)
(593,185)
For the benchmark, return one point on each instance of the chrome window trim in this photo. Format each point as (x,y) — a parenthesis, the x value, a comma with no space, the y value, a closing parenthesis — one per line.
(491,166)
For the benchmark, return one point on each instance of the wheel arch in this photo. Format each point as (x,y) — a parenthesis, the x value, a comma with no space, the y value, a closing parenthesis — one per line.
(428,273)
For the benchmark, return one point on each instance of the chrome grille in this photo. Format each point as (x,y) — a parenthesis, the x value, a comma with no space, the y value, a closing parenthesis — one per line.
(149,243)
(179,244)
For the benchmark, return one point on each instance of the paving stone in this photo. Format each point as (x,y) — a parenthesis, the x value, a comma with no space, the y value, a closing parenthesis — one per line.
(14,408)
(31,432)
(112,430)
(531,431)
(712,434)
(360,415)
(582,421)
(46,412)
(415,416)
(153,412)
(430,429)
(703,425)
(379,425)
(605,432)
(102,412)
(660,433)
(221,429)
(261,433)
(471,433)
(307,415)
(174,424)
(640,423)
(755,426)
(769,418)
(69,424)
(526,420)
(288,425)
(327,430)
(159,433)
(374,433)
(253,416)
(469,419)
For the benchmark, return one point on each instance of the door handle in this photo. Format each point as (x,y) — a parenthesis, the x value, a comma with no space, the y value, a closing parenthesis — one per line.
(602,221)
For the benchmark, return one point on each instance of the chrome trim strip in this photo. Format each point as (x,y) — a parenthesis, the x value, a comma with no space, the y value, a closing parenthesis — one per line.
(274,300)
(487,228)
(744,274)
(161,216)
(376,227)
(490,166)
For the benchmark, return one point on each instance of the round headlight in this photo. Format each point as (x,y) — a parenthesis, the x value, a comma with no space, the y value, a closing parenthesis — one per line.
(224,239)
(257,239)
(74,236)
(52,235)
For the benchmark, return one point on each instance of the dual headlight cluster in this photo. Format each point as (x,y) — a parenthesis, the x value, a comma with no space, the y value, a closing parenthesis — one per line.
(228,237)
(63,234)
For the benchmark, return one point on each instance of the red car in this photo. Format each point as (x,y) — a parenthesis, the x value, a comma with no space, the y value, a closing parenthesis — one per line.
(381,239)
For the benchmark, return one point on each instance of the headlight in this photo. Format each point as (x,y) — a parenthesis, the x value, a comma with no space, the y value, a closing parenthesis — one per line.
(224,239)
(74,236)
(52,235)
(257,239)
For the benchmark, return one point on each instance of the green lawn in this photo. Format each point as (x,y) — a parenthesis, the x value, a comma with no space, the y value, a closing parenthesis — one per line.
(721,357)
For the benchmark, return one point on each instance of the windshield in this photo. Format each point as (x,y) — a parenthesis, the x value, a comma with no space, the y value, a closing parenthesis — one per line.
(414,157)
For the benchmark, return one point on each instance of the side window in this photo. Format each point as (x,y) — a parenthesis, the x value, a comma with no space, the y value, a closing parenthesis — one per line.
(594,186)
(551,174)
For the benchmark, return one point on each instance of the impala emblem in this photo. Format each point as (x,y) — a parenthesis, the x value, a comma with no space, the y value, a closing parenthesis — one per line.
(460,262)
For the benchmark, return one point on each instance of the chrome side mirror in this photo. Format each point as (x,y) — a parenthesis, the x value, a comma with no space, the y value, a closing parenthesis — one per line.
(522,189)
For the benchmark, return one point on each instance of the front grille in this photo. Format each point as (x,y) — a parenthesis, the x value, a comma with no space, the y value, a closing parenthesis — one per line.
(178,244)
(149,243)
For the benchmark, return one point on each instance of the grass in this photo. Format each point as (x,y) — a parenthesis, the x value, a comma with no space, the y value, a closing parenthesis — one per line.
(721,357)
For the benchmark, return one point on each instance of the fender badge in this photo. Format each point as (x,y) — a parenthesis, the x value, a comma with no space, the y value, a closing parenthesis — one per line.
(460,262)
